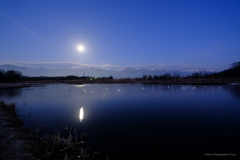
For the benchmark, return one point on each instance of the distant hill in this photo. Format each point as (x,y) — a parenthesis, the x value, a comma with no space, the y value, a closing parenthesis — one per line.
(130,72)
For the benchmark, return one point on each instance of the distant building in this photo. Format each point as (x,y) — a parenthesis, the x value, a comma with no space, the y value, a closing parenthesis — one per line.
(83,73)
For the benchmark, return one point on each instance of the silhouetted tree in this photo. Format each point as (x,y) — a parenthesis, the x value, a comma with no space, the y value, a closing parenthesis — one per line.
(2,75)
(144,76)
(206,74)
(167,76)
(155,77)
(72,77)
(13,76)
(149,76)
(235,65)
(176,75)
(197,74)
(110,77)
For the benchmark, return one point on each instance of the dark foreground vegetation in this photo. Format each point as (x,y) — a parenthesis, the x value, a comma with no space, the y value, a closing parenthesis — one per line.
(20,143)
(202,77)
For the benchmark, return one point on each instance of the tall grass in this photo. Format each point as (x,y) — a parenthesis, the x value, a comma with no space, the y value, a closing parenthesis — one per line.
(68,147)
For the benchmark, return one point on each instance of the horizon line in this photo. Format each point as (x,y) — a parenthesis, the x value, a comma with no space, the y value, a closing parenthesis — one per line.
(179,67)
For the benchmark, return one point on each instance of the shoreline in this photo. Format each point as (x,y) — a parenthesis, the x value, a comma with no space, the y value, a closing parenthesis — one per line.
(16,142)
(121,81)
(15,85)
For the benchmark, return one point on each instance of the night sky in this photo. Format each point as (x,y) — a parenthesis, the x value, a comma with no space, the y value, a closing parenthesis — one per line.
(197,34)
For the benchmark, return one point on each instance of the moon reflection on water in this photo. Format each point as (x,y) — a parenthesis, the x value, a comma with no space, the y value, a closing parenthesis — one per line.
(81,114)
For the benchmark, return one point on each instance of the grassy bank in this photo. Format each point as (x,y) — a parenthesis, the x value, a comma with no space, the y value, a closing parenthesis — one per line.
(16,142)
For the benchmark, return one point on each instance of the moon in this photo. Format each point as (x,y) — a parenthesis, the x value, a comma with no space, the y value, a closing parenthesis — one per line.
(80,48)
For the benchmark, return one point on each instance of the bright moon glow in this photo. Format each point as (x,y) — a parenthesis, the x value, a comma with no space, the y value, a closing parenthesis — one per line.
(80,48)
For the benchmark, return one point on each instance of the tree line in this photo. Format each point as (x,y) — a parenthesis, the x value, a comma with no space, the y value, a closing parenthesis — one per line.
(168,76)
(10,76)
(233,71)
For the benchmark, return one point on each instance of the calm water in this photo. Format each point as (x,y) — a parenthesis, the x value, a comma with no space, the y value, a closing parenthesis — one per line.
(140,121)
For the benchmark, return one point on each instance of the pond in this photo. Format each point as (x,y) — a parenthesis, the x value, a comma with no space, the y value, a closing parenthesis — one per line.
(130,121)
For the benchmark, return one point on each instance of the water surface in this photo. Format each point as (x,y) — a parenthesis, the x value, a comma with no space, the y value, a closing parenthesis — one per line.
(129,121)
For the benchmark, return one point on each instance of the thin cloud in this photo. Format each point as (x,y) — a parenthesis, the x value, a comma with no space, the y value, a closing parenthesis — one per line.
(159,66)
(108,65)
(74,65)
(50,63)
(21,26)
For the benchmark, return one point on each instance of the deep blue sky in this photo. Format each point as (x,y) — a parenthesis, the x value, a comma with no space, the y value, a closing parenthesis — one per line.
(197,34)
